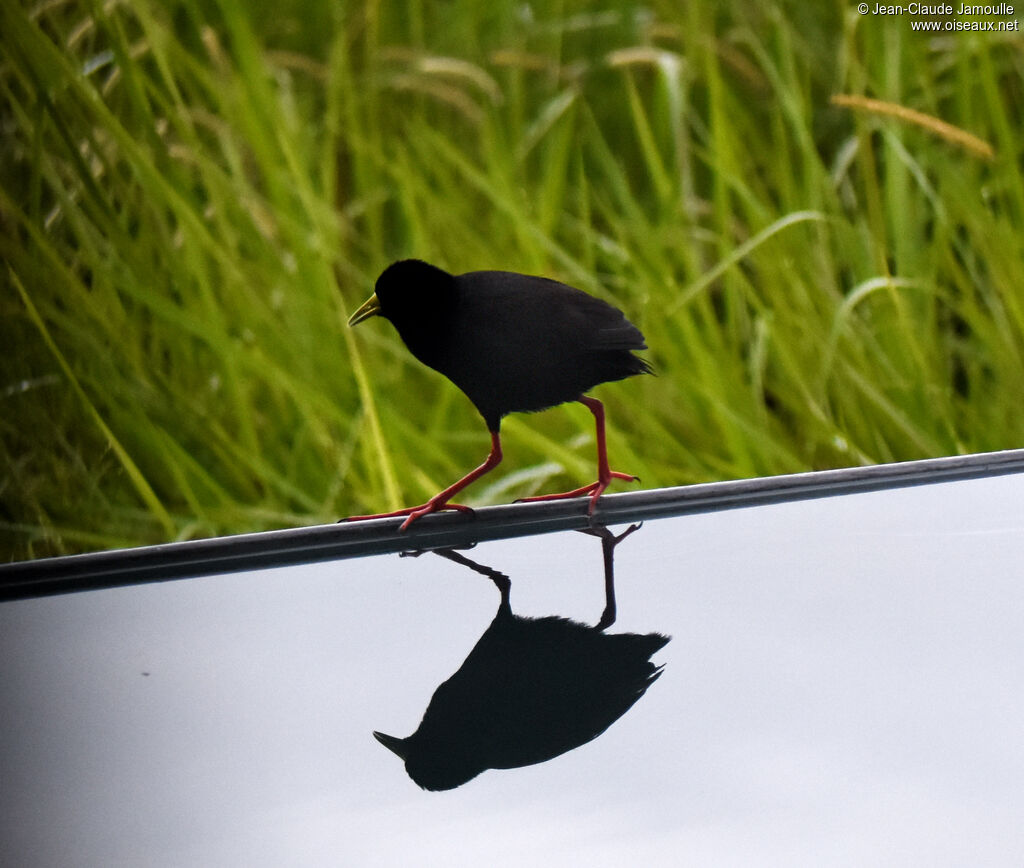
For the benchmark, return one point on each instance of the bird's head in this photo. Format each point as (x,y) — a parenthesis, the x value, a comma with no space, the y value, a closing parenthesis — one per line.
(409,291)
(431,766)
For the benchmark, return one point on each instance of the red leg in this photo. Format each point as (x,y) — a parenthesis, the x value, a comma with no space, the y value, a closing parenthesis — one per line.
(440,500)
(604,474)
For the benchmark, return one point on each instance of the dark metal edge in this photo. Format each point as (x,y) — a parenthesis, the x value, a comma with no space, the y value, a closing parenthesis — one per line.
(381,536)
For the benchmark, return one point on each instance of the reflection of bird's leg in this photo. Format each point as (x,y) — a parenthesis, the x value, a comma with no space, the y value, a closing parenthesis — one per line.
(608,543)
(503,582)
(604,474)
(440,500)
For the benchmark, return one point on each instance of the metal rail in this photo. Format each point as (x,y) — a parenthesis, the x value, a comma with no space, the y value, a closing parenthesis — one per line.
(280,548)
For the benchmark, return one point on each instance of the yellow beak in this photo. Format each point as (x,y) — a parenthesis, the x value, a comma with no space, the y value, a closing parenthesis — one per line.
(370,307)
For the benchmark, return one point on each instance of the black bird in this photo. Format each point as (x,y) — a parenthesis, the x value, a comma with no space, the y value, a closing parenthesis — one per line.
(530,690)
(512,343)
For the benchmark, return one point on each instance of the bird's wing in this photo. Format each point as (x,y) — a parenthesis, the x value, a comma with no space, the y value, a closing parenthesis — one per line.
(557,309)
(602,326)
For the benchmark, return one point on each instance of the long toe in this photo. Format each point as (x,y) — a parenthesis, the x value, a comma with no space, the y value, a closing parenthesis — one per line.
(395,514)
(599,488)
(594,490)
(413,512)
(627,477)
(429,507)
(561,495)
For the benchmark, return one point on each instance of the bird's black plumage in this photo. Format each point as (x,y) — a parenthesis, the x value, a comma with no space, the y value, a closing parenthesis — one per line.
(532,689)
(512,343)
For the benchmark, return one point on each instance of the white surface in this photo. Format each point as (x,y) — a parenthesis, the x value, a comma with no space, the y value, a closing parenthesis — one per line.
(845,686)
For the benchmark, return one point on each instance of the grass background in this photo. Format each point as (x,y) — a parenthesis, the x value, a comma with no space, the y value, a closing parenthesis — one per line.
(194,194)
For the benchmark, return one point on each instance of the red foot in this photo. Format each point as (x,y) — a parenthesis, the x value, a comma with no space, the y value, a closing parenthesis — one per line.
(604,475)
(595,490)
(441,500)
(414,512)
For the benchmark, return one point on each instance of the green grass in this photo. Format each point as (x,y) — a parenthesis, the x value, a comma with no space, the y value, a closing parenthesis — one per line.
(194,196)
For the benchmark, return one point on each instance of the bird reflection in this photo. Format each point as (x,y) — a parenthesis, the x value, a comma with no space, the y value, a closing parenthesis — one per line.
(530,690)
